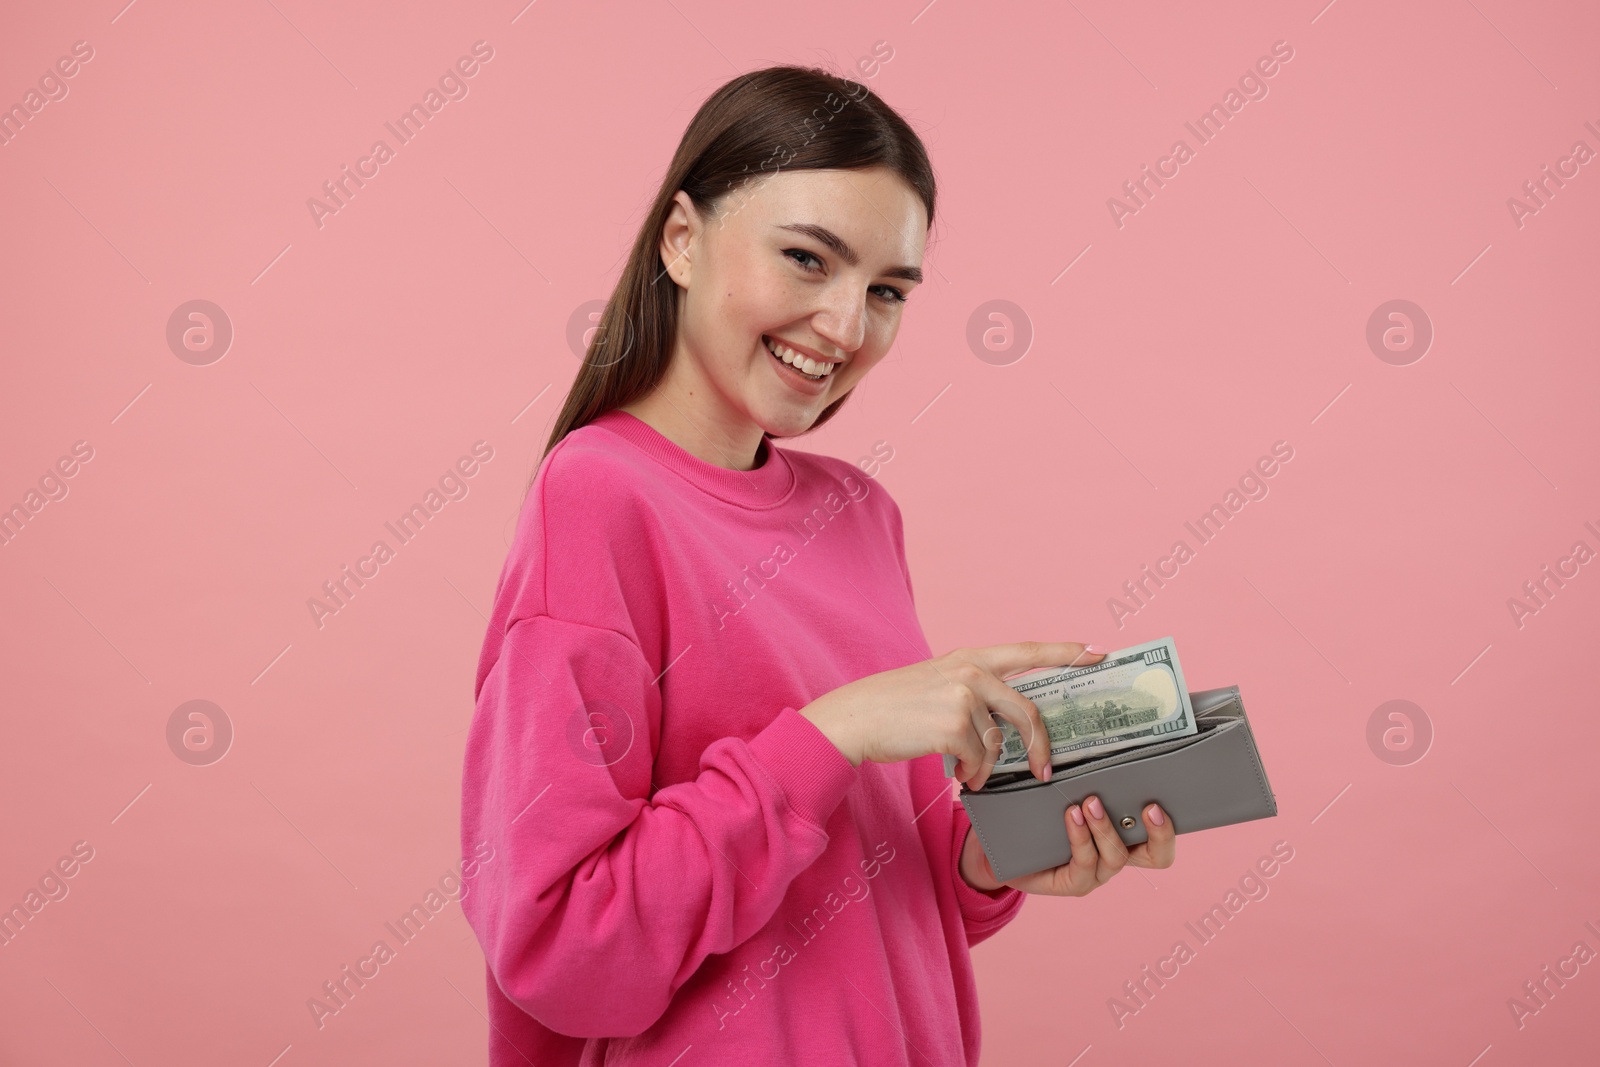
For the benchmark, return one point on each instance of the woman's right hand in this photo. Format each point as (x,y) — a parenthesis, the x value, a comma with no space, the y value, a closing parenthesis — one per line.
(943,705)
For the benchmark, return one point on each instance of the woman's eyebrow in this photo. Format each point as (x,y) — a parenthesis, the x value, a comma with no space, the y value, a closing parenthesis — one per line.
(842,249)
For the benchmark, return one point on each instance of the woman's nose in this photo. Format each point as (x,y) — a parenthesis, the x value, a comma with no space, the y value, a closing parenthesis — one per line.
(842,322)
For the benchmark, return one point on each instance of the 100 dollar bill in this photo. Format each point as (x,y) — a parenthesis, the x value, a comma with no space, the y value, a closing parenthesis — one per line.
(1134,696)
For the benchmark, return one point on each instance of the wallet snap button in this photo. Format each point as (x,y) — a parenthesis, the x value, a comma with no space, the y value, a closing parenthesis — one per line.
(1128,822)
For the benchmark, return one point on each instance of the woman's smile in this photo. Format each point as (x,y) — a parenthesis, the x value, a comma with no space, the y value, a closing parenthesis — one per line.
(790,367)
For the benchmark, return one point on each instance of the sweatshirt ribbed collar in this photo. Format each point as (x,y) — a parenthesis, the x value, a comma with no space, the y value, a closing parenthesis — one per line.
(767,485)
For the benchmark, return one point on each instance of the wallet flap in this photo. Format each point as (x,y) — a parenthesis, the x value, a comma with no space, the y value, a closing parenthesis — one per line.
(1216,701)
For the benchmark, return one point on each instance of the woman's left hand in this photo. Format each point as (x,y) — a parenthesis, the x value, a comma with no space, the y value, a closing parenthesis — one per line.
(1097,854)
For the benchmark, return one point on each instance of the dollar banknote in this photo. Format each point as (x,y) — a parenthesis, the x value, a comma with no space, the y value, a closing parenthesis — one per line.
(1134,696)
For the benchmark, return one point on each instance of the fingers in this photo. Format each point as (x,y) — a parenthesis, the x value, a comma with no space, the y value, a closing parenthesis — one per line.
(1113,853)
(1020,712)
(981,745)
(1078,874)
(972,768)
(1160,845)
(981,670)
(1098,853)
(984,740)
(1003,660)
(979,748)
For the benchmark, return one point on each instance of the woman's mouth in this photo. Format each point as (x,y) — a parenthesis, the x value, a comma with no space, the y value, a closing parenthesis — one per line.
(809,369)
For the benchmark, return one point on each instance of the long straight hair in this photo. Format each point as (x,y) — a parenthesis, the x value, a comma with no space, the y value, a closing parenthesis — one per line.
(760,123)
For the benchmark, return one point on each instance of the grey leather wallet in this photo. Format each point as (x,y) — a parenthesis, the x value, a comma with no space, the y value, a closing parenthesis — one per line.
(1211,778)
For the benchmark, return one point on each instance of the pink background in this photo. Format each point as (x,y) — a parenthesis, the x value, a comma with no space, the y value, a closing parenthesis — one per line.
(432,312)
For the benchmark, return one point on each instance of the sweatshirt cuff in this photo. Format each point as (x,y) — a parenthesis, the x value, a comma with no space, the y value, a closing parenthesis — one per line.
(980,905)
(813,774)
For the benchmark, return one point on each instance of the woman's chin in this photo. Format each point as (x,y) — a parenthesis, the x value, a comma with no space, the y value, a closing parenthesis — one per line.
(792,421)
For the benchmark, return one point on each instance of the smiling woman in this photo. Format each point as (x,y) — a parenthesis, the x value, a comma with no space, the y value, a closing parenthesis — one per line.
(674,791)
(780,315)
(834,212)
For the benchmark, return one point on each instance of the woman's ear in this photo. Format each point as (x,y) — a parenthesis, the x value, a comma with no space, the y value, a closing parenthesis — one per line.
(678,235)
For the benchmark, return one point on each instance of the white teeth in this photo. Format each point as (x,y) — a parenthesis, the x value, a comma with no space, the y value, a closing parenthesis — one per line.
(804,364)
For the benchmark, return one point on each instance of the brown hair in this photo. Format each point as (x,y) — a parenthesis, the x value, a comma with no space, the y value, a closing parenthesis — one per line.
(778,118)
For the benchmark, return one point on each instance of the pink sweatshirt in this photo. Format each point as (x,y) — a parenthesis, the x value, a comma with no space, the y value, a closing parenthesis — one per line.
(681,861)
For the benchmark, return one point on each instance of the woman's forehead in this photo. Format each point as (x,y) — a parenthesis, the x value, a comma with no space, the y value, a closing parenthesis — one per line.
(874,211)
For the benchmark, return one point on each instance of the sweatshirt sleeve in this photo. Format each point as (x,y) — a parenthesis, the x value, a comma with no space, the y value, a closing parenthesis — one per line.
(606,892)
(982,913)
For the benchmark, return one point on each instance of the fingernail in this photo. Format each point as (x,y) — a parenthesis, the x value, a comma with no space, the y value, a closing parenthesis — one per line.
(1095,809)
(1077,816)
(1045,777)
(1098,650)
(1156,816)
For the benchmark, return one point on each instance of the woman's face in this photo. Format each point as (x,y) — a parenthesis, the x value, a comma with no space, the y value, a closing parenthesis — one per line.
(817,260)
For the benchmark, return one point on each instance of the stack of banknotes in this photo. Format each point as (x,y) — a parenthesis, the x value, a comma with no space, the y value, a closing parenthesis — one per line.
(1135,696)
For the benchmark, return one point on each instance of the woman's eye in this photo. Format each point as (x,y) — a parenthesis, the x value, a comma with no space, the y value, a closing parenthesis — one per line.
(802,252)
(890,293)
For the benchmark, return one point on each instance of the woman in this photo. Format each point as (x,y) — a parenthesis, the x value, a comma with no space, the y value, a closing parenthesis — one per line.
(706,750)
